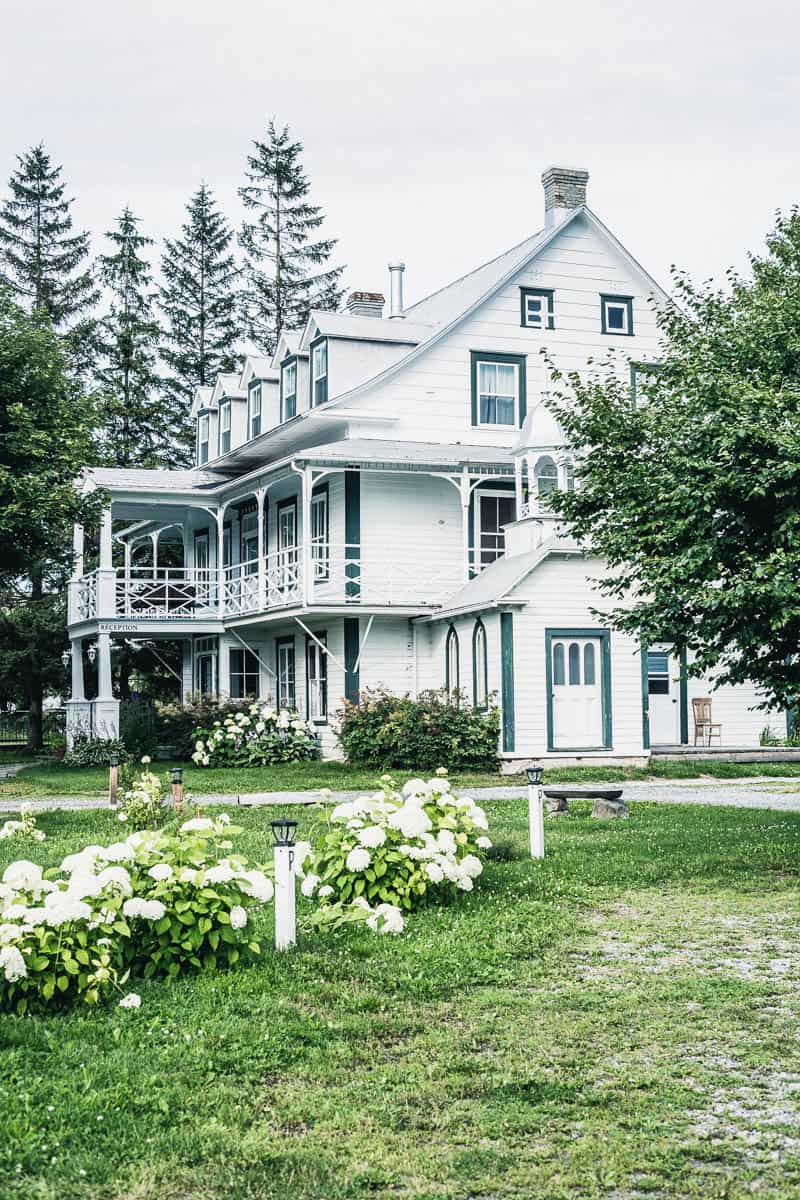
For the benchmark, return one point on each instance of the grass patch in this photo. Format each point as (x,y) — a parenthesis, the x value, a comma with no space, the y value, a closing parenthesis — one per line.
(615,1022)
(53,779)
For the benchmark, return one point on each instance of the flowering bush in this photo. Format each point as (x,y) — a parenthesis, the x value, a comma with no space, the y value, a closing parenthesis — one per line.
(258,737)
(25,827)
(393,851)
(95,752)
(142,803)
(157,903)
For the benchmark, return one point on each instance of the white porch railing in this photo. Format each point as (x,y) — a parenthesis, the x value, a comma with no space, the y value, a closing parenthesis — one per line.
(166,592)
(338,574)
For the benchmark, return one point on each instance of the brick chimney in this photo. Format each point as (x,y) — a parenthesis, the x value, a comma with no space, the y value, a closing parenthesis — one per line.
(564,190)
(365,304)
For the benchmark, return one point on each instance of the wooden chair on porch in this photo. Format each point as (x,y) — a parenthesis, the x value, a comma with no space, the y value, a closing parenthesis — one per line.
(704,728)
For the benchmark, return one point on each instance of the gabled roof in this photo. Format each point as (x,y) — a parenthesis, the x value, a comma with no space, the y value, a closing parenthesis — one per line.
(227,387)
(203,398)
(411,454)
(288,343)
(256,367)
(453,304)
(366,329)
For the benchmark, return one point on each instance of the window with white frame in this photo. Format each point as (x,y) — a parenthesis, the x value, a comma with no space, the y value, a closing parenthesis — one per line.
(289,390)
(248,540)
(546,475)
(536,308)
(286,679)
(317,676)
(244,674)
(319,372)
(202,438)
(320,545)
(205,666)
(498,390)
(616,315)
(254,409)
(225,427)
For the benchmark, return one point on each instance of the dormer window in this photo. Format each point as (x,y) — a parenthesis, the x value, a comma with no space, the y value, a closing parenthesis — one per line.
(536,306)
(616,315)
(319,372)
(225,427)
(289,389)
(202,439)
(498,390)
(254,410)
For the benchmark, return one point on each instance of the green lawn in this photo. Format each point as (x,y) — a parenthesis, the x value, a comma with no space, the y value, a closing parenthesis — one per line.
(618,1022)
(53,779)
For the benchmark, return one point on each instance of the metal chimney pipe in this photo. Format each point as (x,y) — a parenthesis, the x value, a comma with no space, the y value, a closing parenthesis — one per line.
(396,270)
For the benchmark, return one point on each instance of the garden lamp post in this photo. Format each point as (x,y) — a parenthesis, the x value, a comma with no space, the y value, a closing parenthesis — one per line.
(113,778)
(283,832)
(176,779)
(91,653)
(536,811)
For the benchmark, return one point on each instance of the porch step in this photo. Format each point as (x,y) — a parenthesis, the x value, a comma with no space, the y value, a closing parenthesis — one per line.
(744,754)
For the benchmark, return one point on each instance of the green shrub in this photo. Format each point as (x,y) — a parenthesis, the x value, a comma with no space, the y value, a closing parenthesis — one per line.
(95,752)
(385,731)
(137,727)
(176,724)
(258,737)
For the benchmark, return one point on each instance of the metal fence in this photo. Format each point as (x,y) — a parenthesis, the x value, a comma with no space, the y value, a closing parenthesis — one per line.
(15,727)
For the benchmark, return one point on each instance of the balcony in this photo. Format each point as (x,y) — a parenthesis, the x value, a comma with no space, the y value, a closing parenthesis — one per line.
(321,574)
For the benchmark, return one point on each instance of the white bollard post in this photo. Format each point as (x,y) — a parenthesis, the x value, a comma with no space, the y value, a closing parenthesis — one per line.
(285,918)
(536,811)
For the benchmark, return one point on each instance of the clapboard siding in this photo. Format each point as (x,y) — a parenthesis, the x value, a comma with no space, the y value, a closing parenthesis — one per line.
(387,655)
(431,396)
(412,523)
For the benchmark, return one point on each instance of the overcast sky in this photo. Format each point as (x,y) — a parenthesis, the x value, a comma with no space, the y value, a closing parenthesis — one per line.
(426,123)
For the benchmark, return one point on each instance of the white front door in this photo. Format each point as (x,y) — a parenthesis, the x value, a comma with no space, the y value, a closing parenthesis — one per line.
(662,697)
(577,697)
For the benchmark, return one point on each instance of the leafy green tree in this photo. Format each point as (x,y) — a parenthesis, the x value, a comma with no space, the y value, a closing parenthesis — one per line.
(199,299)
(46,437)
(42,261)
(286,270)
(689,484)
(138,426)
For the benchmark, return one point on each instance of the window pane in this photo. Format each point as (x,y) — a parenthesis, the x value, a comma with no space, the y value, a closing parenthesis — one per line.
(615,316)
(558,664)
(488,378)
(533,314)
(480,667)
(505,410)
(588,664)
(574,663)
(506,379)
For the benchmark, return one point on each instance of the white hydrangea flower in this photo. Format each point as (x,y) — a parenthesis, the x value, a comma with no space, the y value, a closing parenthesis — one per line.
(132,1000)
(434,872)
(465,883)
(415,787)
(22,874)
(372,837)
(118,852)
(189,875)
(471,865)
(10,933)
(82,885)
(446,840)
(411,821)
(64,908)
(302,853)
(197,825)
(160,872)
(12,964)
(238,917)
(325,891)
(221,873)
(256,884)
(360,902)
(358,859)
(478,817)
(387,918)
(199,746)
(150,910)
(309,884)
(483,843)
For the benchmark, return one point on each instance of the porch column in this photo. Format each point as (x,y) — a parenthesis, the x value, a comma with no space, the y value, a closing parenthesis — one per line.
(77,551)
(106,556)
(78,693)
(262,565)
(465,499)
(220,559)
(306,489)
(154,540)
(106,580)
(105,722)
(104,689)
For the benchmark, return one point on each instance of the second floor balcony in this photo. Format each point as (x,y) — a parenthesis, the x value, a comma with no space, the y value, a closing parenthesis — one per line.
(321,573)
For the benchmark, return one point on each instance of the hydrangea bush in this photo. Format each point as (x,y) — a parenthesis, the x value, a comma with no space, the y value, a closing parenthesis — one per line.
(143,801)
(157,903)
(258,737)
(24,828)
(392,851)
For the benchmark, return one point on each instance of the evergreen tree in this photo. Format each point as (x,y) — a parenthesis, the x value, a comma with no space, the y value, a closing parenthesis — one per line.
(286,271)
(199,300)
(43,262)
(137,430)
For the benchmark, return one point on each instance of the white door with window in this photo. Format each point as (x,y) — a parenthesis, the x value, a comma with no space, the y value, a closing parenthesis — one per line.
(577,693)
(287,545)
(663,696)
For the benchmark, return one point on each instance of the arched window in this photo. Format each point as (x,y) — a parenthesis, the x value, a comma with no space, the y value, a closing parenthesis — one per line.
(559,677)
(574,663)
(546,473)
(569,475)
(588,664)
(451,666)
(480,687)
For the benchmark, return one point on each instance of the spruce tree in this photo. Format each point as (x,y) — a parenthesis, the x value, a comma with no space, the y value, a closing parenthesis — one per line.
(199,300)
(287,272)
(42,261)
(137,430)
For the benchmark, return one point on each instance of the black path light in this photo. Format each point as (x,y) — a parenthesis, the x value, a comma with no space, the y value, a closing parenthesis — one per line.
(283,831)
(176,779)
(113,778)
(536,810)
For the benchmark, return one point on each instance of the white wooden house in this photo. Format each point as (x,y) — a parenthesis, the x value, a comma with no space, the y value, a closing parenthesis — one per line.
(369,509)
